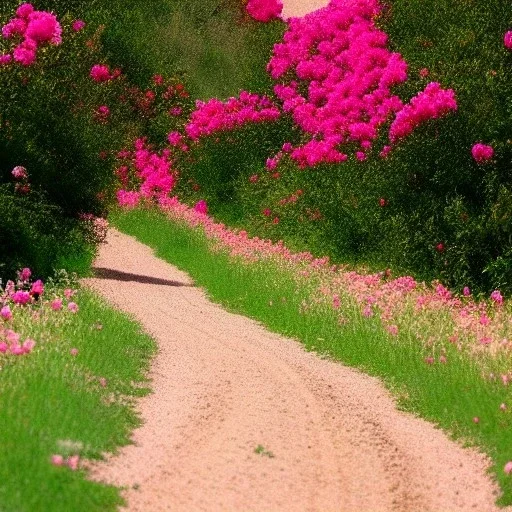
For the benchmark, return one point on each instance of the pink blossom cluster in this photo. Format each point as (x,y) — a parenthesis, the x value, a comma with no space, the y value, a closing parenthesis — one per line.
(432,103)
(154,172)
(482,153)
(398,303)
(72,462)
(102,73)
(264,10)
(214,115)
(24,294)
(32,29)
(337,77)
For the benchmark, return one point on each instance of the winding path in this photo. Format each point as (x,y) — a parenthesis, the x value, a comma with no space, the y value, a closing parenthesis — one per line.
(330,437)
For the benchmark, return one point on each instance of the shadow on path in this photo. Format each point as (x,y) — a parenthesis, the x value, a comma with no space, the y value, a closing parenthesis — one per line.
(116,275)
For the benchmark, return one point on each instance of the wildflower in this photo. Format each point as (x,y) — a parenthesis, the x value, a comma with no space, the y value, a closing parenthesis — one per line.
(56,304)
(440,247)
(73,462)
(6,313)
(78,25)
(476,419)
(43,27)
(21,297)
(28,345)
(100,73)
(73,352)
(158,79)
(5,59)
(482,153)
(201,207)
(103,382)
(264,10)
(393,330)
(24,10)
(382,202)
(503,407)
(57,460)
(68,293)
(73,307)
(19,173)
(336,302)
(424,72)
(508,467)
(442,359)
(466,291)
(429,360)
(507,40)
(37,288)
(497,298)
(254,178)
(267,212)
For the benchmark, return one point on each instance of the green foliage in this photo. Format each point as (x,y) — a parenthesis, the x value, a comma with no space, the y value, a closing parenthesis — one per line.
(52,403)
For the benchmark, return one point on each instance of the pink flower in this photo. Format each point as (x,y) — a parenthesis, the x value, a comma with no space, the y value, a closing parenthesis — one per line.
(6,313)
(429,360)
(442,359)
(68,293)
(336,302)
(21,297)
(3,347)
(43,27)
(74,352)
(73,462)
(28,345)
(73,307)
(440,247)
(382,202)
(56,304)
(78,25)
(5,59)
(37,288)
(466,291)
(24,10)
(128,199)
(476,419)
(254,178)
(503,407)
(482,153)
(19,173)
(267,212)
(424,72)
(393,330)
(57,460)
(264,10)
(497,298)
(100,73)
(24,54)
(508,468)
(103,382)
(507,40)
(201,207)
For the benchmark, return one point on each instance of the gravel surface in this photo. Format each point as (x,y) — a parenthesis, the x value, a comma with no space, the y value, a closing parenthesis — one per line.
(330,438)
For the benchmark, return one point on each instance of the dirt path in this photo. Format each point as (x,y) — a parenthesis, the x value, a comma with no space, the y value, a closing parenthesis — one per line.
(223,386)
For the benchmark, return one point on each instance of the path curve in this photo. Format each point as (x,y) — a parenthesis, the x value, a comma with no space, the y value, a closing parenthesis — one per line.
(223,385)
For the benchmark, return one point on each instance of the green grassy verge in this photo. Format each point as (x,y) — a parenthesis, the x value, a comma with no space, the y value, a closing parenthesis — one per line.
(53,402)
(450,395)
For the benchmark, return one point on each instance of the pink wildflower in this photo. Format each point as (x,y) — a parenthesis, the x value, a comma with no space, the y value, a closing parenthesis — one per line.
(476,419)
(78,25)
(440,247)
(68,293)
(466,291)
(3,347)
(507,39)
(336,302)
(497,298)
(508,468)
(393,330)
(128,199)
(482,153)
(19,173)
(424,72)
(57,460)
(6,313)
(56,304)
(201,207)
(21,297)
(73,462)
(74,352)
(264,10)
(503,407)
(103,382)
(5,59)
(37,288)
(24,10)
(43,27)
(28,345)
(100,73)
(73,307)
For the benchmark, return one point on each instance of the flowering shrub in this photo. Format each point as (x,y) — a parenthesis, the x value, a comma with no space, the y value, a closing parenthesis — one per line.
(264,10)
(214,115)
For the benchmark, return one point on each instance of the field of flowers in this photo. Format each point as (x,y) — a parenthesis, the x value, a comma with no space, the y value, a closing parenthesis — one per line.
(365,147)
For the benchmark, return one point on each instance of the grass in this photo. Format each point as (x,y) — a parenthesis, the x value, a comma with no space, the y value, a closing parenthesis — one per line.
(450,395)
(53,403)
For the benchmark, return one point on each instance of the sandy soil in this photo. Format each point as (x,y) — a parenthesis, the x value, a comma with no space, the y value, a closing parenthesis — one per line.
(223,385)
